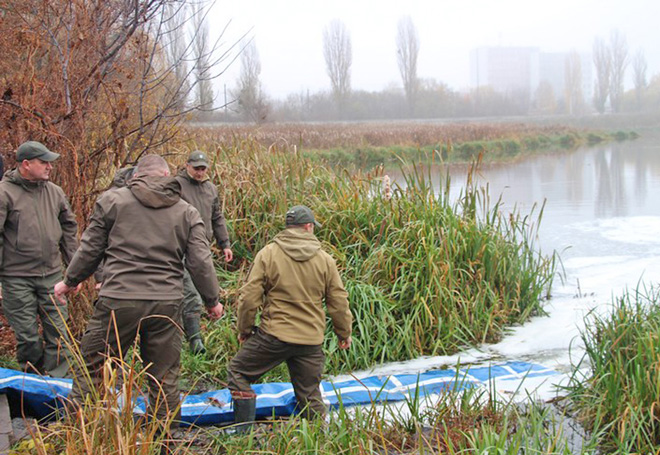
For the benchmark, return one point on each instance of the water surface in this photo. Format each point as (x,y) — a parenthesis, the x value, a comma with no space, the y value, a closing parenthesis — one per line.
(602,215)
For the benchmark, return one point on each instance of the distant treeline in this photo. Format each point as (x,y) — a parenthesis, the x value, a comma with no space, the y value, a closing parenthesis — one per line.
(434,100)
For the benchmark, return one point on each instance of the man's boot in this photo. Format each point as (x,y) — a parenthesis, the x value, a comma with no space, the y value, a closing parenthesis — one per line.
(191,325)
(245,410)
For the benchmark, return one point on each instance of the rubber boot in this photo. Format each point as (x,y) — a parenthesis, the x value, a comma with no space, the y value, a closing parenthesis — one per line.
(191,325)
(245,410)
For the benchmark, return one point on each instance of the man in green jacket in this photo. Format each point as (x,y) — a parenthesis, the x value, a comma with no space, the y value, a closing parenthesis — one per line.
(201,193)
(290,280)
(142,232)
(37,230)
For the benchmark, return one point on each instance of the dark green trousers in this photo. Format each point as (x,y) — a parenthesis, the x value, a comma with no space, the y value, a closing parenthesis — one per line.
(262,352)
(192,307)
(25,299)
(114,328)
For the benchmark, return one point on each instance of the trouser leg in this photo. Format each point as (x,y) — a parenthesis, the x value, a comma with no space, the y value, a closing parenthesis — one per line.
(192,309)
(160,346)
(192,305)
(20,307)
(258,355)
(306,369)
(55,331)
(110,332)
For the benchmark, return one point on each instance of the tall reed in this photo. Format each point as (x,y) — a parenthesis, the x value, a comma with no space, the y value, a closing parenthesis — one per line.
(426,274)
(453,423)
(618,397)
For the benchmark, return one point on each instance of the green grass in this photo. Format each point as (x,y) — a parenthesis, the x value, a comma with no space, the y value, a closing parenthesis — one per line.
(455,423)
(427,273)
(618,399)
(367,156)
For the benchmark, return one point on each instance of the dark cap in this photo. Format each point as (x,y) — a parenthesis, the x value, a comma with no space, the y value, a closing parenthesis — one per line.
(300,214)
(32,149)
(198,158)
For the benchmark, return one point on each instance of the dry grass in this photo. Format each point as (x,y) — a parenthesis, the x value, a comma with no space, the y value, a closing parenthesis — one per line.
(349,135)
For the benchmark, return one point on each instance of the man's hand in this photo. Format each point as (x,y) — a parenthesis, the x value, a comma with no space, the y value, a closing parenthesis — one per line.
(345,344)
(216,312)
(61,290)
(229,254)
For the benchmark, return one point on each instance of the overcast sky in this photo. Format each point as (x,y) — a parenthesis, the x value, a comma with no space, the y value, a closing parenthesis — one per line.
(289,35)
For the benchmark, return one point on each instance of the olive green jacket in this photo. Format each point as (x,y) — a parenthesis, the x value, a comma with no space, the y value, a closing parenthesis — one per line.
(290,280)
(37,227)
(143,232)
(204,197)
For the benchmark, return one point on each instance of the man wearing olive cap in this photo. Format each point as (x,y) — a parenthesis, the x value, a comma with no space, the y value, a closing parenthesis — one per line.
(198,191)
(37,231)
(290,281)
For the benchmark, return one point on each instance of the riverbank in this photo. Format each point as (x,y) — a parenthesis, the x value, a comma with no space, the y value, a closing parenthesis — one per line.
(258,185)
(369,144)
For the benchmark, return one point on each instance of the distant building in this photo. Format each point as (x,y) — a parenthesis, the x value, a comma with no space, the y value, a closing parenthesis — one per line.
(507,70)
(553,70)
(516,71)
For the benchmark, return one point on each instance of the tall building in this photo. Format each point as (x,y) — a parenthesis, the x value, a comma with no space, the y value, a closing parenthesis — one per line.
(520,70)
(507,70)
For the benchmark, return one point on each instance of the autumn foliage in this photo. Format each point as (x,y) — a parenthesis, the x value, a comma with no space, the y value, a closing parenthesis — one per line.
(86,78)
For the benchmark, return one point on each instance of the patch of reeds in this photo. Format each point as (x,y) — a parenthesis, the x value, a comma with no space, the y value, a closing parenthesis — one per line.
(460,420)
(106,421)
(453,423)
(426,274)
(366,145)
(352,136)
(618,399)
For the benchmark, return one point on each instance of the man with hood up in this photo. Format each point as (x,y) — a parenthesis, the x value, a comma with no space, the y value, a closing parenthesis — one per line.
(143,232)
(37,230)
(290,280)
(201,193)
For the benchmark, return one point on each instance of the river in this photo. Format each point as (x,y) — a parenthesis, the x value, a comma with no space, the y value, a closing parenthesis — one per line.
(602,216)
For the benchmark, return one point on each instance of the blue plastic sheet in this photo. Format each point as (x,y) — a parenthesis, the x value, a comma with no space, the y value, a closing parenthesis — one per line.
(41,395)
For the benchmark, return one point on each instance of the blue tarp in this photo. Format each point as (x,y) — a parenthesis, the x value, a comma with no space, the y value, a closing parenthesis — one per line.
(40,395)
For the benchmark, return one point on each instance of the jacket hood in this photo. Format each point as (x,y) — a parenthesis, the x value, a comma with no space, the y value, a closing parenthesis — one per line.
(298,244)
(155,192)
(123,176)
(15,177)
(183,172)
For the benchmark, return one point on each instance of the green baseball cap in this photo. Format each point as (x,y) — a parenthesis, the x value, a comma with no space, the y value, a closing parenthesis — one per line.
(32,149)
(300,214)
(198,158)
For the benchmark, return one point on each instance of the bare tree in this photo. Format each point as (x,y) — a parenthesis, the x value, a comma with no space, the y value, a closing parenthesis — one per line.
(573,84)
(177,49)
(338,55)
(639,77)
(253,104)
(407,50)
(603,64)
(619,52)
(95,81)
(202,56)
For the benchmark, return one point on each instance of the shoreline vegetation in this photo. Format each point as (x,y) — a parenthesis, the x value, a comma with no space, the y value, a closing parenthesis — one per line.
(427,275)
(367,145)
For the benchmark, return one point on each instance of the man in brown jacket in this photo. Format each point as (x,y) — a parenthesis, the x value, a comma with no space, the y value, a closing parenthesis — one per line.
(143,232)
(201,193)
(37,230)
(290,280)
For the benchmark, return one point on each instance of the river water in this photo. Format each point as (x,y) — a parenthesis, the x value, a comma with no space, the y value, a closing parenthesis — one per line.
(602,216)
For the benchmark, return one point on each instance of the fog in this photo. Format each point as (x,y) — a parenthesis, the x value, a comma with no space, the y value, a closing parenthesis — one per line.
(289,36)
